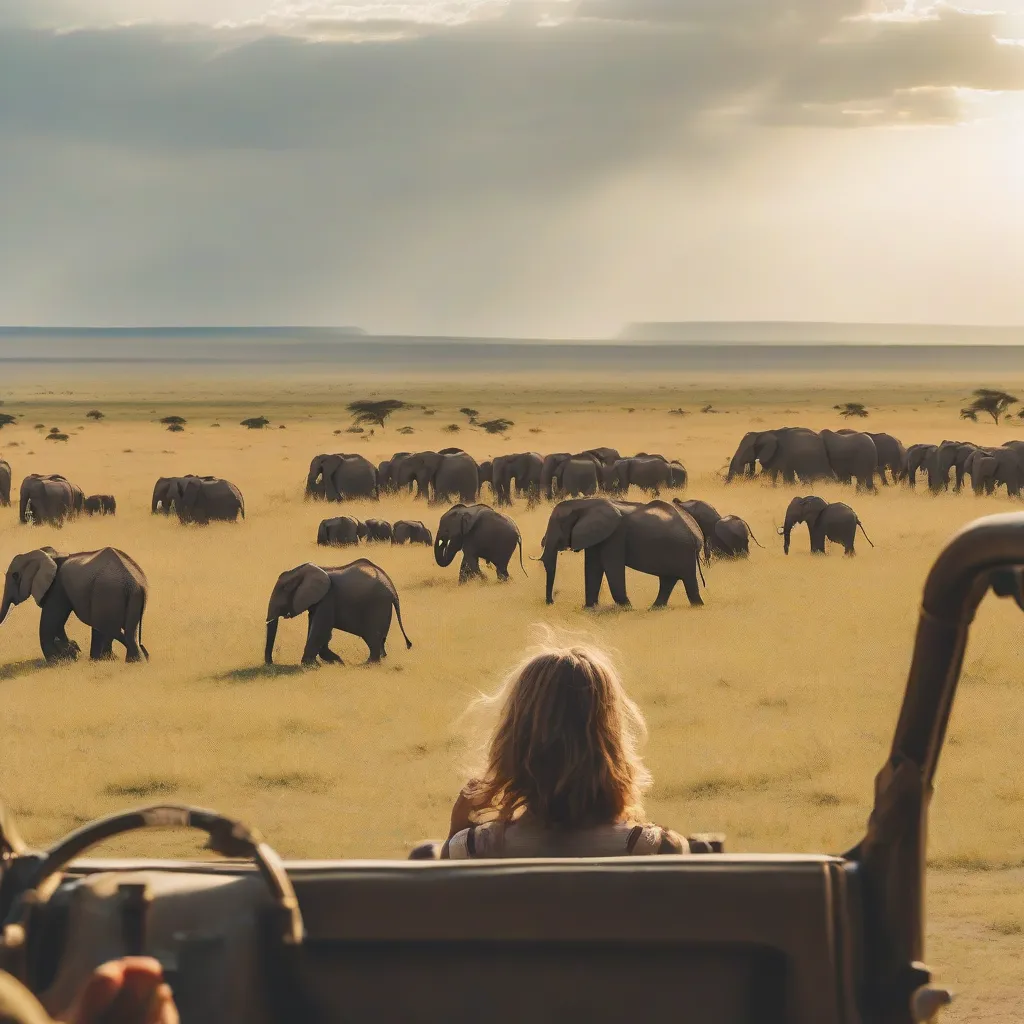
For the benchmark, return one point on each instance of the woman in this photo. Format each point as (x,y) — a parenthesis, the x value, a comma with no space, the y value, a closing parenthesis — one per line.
(563,777)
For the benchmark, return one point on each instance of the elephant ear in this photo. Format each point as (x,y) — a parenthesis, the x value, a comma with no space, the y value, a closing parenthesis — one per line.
(594,526)
(468,520)
(190,491)
(306,585)
(37,576)
(768,449)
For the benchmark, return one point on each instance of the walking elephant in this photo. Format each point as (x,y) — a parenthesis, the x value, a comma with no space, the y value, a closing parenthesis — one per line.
(357,598)
(991,468)
(479,532)
(920,457)
(49,499)
(891,456)
(341,531)
(205,499)
(100,505)
(548,470)
(387,471)
(5,483)
(836,522)
(790,452)
(578,475)
(950,455)
(407,531)
(340,477)
(441,476)
(852,456)
(655,538)
(648,473)
(522,471)
(378,530)
(106,589)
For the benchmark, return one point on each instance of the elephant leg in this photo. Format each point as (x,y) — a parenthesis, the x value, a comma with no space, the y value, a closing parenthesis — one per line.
(817,542)
(593,576)
(615,571)
(692,587)
(668,584)
(501,568)
(470,567)
(321,625)
(328,657)
(53,640)
(101,647)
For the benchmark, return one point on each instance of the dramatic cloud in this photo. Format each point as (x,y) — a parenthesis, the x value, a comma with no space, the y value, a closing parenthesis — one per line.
(159,142)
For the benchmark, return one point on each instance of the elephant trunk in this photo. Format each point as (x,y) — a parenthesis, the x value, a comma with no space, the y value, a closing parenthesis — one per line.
(787,531)
(268,652)
(550,561)
(445,551)
(737,466)
(23,507)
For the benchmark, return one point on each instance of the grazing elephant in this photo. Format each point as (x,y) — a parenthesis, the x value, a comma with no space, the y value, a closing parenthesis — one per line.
(100,505)
(732,537)
(478,531)
(5,483)
(407,531)
(523,471)
(357,598)
(441,476)
(853,456)
(677,476)
(485,475)
(548,470)
(648,473)
(950,455)
(50,499)
(378,530)
(387,472)
(578,475)
(655,538)
(835,522)
(790,452)
(919,458)
(340,477)
(706,516)
(340,531)
(106,589)
(990,468)
(203,499)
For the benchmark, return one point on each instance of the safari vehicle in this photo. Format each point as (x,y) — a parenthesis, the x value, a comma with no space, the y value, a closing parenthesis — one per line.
(793,939)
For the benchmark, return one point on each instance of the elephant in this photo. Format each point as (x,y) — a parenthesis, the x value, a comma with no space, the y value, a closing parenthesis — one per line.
(412,532)
(160,488)
(338,532)
(950,455)
(478,531)
(654,537)
(578,475)
(853,456)
(707,518)
(918,458)
(485,475)
(100,504)
(677,475)
(340,477)
(836,522)
(202,499)
(523,470)
(50,499)
(441,476)
(547,473)
(5,483)
(604,456)
(990,468)
(378,530)
(790,452)
(387,470)
(356,598)
(891,456)
(733,536)
(646,472)
(106,589)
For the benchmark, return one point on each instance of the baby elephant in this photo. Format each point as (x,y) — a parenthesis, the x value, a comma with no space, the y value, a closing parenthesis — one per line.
(478,531)
(356,598)
(339,532)
(836,522)
(733,537)
(377,529)
(106,589)
(100,505)
(407,531)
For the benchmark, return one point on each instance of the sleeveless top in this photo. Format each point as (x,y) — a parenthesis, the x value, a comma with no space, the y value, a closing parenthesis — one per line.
(497,839)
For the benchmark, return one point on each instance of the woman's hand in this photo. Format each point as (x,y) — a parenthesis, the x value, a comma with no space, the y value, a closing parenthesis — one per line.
(127,991)
(462,811)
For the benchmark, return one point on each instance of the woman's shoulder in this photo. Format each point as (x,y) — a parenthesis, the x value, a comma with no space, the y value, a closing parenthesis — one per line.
(651,840)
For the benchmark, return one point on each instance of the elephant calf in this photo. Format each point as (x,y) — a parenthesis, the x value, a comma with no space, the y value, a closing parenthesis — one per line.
(356,598)
(340,531)
(478,531)
(836,522)
(100,505)
(725,536)
(407,531)
(106,589)
(378,530)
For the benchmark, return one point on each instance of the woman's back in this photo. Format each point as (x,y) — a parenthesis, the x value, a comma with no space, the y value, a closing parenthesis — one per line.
(520,839)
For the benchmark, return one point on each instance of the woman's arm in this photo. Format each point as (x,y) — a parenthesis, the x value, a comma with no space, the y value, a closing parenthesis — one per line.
(463,810)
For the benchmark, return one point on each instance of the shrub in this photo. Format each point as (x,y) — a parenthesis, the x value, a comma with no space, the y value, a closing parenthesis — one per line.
(56,437)
(452,428)
(6,419)
(470,414)
(849,409)
(54,430)
(406,430)
(708,409)
(40,426)
(353,430)
(674,412)
(94,414)
(255,422)
(171,421)
(498,426)
(175,428)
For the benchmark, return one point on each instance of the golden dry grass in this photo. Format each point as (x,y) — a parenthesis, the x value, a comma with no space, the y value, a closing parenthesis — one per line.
(770,709)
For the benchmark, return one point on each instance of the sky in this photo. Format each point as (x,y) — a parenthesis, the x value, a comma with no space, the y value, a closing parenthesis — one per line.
(508,167)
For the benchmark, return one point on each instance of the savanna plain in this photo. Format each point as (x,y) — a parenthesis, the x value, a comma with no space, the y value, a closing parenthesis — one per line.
(770,709)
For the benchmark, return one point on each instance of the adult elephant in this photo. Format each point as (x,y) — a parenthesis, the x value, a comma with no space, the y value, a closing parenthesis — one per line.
(341,531)
(341,477)
(409,531)
(991,468)
(378,530)
(706,516)
(479,532)
(655,538)
(852,456)
(578,475)
(950,455)
(204,499)
(442,476)
(648,473)
(522,471)
(100,505)
(891,457)
(677,475)
(732,537)
(548,470)
(794,453)
(49,499)
(5,483)
(357,598)
(160,504)
(485,475)
(604,456)
(834,521)
(106,589)
(920,458)
(387,471)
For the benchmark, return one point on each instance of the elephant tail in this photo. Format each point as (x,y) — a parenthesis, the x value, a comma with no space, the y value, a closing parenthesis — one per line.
(700,572)
(521,566)
(865,532)
(142,613)
(401,625)
(755,540)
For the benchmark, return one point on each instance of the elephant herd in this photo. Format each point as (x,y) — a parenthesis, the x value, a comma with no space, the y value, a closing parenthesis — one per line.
(453,475)
(988,468)
(344,531)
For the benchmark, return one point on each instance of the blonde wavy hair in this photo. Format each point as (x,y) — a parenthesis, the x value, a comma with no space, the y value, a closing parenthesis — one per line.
(565,746)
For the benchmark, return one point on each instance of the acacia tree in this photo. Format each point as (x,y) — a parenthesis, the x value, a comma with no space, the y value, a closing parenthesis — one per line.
(849,409)
(990,401)
(94,414)
(6,419)
(377,412)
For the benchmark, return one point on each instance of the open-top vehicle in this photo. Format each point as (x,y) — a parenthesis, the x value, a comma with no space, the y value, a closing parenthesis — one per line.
(792,939)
